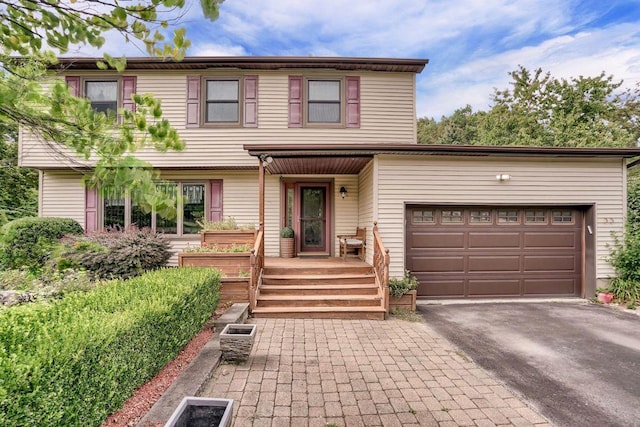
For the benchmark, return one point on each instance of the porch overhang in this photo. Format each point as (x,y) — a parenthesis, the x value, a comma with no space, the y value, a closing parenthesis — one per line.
(287,159)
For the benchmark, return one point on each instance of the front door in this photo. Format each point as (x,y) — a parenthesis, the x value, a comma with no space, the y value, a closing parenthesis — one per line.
(313,224)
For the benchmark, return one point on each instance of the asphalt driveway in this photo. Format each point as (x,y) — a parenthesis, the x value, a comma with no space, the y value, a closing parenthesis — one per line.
(578,364)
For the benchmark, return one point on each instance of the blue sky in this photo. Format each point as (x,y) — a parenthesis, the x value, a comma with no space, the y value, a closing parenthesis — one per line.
(471,44)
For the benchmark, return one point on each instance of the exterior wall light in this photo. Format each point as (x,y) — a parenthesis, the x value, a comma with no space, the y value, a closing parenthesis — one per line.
(502,177)
(266,160)
(343,191)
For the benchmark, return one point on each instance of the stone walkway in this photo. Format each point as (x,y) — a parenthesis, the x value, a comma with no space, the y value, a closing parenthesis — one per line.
(362,373)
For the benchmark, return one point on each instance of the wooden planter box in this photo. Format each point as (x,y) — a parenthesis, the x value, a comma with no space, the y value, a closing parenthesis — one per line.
(230,263)
(236,341)
(202,411)
(228,237)
(286,247)
(234,289)
(406,301)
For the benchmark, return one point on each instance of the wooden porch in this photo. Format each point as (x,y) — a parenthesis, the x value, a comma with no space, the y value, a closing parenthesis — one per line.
(331,288)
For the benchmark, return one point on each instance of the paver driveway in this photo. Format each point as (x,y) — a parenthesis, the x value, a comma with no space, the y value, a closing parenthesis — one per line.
(579,364)
(362,373)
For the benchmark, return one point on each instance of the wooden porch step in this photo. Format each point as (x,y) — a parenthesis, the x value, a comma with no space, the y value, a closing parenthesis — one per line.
(345,268)
(314,301)
(317,279)
(323,289)
(373,313)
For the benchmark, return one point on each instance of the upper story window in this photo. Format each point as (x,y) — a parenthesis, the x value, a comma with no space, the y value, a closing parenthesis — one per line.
(222,101)
(324,101)
(106,94)
(103,95)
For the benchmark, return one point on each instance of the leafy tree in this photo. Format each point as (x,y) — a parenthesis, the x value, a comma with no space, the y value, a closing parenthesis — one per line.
(19,194)
(542,110)
(43,106)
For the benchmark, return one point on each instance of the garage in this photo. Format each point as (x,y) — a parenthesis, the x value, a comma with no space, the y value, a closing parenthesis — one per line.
(489,251)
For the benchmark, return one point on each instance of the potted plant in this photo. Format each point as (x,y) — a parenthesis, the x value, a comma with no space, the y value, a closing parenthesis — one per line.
(286,242)
(403,291)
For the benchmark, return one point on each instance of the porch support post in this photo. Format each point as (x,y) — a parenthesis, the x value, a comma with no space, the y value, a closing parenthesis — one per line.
(261,191)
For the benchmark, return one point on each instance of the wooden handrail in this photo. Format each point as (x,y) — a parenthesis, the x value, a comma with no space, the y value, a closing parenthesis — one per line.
(381,262)
(256,265)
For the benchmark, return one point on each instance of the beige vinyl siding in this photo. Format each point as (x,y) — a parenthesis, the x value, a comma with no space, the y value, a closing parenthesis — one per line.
(366,205)
(464,180)
(387,116)
(272,217)
(63,195)
(345,210)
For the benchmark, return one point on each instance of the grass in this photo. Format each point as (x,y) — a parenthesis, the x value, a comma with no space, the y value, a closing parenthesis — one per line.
(406,315)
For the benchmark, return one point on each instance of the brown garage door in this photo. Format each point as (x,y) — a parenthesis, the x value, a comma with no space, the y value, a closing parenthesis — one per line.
(495,251)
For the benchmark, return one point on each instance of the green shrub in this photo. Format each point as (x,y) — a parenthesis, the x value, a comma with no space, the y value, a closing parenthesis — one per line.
(76,360)
(625,259)
(286,233)
(28,242)
(399,287)
(115,254)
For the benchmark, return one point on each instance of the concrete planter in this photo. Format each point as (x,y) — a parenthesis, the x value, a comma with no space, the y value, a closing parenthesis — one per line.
(406,301)
(236,341)
(202,411)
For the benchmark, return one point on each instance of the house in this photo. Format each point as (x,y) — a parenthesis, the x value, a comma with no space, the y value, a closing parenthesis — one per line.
(329,144)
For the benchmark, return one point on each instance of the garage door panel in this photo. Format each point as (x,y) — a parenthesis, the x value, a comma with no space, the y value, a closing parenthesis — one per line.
(435,264)
(493,287)
(550,263)
(565,240)
(485,240)
(502,263)
(441,288)
(433,240)
(551,286)
(530,252)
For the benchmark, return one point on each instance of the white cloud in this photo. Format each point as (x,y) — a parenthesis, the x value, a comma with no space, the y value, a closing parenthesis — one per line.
(213,49)
(614,50)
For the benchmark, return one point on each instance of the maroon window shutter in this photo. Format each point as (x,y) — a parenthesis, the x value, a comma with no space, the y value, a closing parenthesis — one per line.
(193,101)
(91,210)
(295,101)
(353,102)
(74,84)
(215,209)
(128,89)
(250,101)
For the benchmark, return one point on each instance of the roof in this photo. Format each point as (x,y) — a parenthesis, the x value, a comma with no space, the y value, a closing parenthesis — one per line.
(256,63)
(347,158)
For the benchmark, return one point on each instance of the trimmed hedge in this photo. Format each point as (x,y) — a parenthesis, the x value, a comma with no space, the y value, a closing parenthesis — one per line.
(29,241)
(75,361)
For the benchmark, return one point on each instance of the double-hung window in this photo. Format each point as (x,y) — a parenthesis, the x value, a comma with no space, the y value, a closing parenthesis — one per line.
(331,102)
(222,102)
(324,101)
(103,95)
